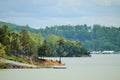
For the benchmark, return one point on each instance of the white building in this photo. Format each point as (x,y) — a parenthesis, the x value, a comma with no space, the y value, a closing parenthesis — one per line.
(107,52)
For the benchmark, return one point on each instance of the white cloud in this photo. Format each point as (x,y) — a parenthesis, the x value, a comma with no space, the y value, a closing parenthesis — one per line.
(57,12)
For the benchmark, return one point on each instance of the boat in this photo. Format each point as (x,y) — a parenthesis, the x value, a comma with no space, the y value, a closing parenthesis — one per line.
(59,67)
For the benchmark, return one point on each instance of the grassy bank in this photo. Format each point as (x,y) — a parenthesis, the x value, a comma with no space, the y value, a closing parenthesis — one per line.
(26,62)
(17,59)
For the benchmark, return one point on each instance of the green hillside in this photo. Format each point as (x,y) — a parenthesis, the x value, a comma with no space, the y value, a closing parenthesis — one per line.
(16,27)
(94,37)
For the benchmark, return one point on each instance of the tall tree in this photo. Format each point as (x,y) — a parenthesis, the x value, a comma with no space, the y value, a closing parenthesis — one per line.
(15,43)
(25,41)
(60,50)
(5,37)
(44,50)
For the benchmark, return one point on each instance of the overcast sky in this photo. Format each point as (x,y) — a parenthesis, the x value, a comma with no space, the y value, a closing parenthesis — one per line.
(41,13)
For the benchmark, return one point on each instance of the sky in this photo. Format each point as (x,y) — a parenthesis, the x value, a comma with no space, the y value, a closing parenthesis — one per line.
(42,13)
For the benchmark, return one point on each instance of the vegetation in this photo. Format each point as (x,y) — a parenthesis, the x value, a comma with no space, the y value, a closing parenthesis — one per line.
(31,44)
(44,50)
(24,44)
(3,65)
(91,37)
(26,47)
(18,59)
(2,51)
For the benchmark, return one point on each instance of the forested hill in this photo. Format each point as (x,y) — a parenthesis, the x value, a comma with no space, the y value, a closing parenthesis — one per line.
(94,37)
(15,27)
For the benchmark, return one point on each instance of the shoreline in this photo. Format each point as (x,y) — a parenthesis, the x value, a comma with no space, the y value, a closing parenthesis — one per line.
(9,64)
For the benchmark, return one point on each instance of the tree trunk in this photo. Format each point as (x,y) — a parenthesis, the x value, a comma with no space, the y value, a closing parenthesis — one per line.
(60,60)
(31,60)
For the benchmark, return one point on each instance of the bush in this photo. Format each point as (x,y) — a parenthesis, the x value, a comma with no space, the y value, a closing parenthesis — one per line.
(3,65)
(17,59)
(2,51)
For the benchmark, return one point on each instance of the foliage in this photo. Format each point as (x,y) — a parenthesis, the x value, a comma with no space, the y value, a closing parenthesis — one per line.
(24,46)
(5,37)
(15,43)
(29,44)
(60,49)
(44,50)
(2,51)
(18,59)
(3,65)
(92,37)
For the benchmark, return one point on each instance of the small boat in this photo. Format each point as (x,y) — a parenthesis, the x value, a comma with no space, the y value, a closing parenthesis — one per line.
(59,67)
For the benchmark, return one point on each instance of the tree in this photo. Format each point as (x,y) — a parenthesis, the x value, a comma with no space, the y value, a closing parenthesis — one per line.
(60,50)
(5,37)
(44,50)
(15,43)
(37,38)
(25,41)
(2,51)
(52,41)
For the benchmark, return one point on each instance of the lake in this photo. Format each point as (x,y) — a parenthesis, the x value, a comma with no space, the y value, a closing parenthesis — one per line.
(97,67)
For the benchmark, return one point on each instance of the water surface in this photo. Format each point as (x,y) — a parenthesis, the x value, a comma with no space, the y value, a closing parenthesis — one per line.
(97,67)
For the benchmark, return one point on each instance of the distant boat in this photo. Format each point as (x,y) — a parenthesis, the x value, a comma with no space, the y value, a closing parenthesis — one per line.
(59,67)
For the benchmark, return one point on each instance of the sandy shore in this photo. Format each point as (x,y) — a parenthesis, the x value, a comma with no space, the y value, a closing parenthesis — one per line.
(14,64)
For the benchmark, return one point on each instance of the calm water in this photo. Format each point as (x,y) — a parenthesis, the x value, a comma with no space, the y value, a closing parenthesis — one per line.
(97,67)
